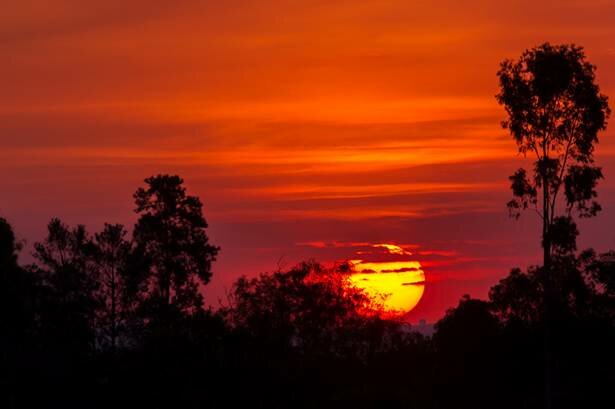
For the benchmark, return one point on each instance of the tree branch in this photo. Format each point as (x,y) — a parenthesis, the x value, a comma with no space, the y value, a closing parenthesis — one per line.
(571,139)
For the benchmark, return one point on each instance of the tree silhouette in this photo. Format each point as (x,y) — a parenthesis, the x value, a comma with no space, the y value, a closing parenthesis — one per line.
(170,233)
(308,308)
(555,111)
(465,342)
(600,273)
(518,297)
(118,290)
(8,246)
(69,276)
(306,338)
(18,290)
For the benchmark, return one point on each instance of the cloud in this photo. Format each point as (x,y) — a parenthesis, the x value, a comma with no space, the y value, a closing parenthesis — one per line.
(403,270)
(333,244)
(441,253)
(393,249)
(418,283)
(314,244)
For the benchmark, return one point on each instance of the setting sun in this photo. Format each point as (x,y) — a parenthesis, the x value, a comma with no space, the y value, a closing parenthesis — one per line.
(397,286)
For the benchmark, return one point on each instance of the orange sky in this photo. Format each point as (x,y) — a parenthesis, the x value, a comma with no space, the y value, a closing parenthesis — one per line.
(363,121)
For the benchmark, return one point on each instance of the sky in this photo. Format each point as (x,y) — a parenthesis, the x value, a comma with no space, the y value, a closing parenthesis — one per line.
(309,129)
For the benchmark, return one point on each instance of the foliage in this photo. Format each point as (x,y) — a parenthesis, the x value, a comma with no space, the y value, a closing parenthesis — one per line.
(119,292)
(555,112)
(170,233)
(308,308)
(69,284)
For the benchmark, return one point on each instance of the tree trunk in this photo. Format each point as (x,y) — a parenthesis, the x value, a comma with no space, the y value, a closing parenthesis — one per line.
(165,301)
(547,289)
(113,312)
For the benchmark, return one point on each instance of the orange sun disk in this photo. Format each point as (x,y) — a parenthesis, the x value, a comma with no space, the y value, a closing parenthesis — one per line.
(397,287)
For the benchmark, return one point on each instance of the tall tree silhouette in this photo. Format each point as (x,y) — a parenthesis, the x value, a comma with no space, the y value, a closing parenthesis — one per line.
(555,111)
(171,235)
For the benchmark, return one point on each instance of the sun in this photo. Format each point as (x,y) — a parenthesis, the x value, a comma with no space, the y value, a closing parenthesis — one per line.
(396,286)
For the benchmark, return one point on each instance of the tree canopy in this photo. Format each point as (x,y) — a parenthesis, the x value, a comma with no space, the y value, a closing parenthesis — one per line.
(171,235)
(555,112)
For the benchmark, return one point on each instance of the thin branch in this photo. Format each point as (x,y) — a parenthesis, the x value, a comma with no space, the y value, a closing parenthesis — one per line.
(571,139)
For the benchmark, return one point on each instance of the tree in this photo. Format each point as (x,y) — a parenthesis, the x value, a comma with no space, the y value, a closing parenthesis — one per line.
(18,291)
(600,273)
(520,297)
(8,246)
(118,279)
(70,282)
(555,111)
(11,277)
(170,233)
(465,342)
(308,329)
(308,308)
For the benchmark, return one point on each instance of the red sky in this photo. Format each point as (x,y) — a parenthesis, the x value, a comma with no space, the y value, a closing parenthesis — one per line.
(310,129)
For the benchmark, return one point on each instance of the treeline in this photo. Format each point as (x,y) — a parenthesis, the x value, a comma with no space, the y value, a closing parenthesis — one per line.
(117,320)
